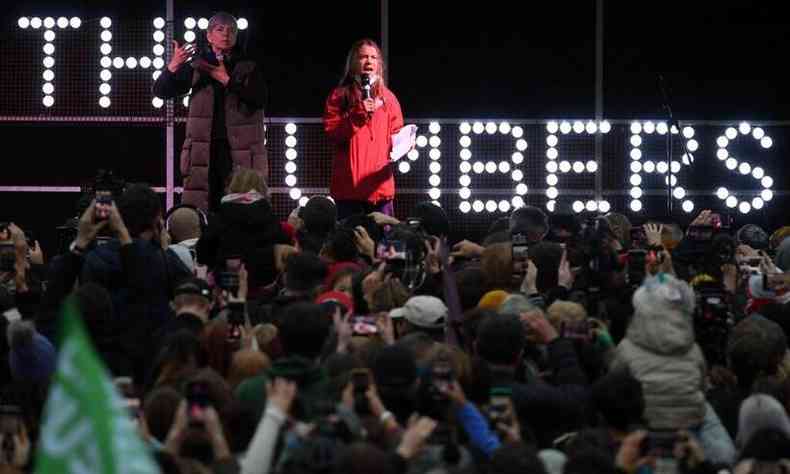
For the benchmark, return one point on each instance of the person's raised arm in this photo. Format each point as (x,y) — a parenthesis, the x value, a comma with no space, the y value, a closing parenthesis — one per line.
(176,78)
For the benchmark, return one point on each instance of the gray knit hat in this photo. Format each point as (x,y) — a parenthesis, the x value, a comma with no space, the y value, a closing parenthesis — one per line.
(759,412)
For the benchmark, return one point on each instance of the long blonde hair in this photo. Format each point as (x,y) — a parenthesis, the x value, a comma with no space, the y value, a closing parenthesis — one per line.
(245,180)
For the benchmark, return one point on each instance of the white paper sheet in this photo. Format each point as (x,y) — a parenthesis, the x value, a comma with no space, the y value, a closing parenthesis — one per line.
(403,141)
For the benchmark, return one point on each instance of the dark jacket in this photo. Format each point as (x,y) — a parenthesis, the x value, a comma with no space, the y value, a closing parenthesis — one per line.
(234,112)
(246,230)
(312,398)
(550,410)
(63,273)
(140,278)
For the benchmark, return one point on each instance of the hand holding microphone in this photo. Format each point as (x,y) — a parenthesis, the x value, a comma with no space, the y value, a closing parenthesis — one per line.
(369,102)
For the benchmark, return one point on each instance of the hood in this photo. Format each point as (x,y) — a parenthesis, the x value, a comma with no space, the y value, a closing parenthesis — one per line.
(663,312)
(782,259)
(249,215)
(299,369)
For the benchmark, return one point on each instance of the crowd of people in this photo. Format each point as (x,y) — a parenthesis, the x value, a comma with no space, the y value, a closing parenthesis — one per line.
(343,340)
(248,342)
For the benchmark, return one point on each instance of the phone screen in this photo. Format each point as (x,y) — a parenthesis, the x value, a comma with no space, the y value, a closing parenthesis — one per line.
(390,250)
(364,325)
(102,207)
(229,276)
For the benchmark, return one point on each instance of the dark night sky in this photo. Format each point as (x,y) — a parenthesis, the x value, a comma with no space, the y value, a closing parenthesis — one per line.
(521,59)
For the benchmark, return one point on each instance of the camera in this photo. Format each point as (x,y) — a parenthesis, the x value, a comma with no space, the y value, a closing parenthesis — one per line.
(392,251)
(712,323)
(415,225)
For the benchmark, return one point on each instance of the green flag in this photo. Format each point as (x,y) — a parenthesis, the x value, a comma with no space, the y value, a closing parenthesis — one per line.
(87,428)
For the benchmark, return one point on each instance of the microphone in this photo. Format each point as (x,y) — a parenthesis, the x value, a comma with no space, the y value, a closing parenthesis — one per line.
(366,85)
(220,57)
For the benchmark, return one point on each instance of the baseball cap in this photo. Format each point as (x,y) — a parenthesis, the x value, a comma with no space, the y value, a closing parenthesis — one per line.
(427,312)
(193,286)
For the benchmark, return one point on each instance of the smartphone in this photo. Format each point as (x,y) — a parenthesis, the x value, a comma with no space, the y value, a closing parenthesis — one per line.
(774,281)
(636,266)
(10,419)
(661,445)
(198,399)
(7,257)
(229,275)
(235,321)
(500,407)
(101,210)
(10,426)
(638,237)
(364,325)
(443,376)
(520,251)
(360,381)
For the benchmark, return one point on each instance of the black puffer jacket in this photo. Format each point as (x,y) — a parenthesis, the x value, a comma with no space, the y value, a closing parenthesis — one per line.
(244,228)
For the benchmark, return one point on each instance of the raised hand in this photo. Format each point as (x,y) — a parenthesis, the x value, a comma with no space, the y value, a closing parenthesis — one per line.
(181,54)
(653,233)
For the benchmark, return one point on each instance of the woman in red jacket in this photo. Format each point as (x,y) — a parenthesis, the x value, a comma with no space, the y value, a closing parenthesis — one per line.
(360,117)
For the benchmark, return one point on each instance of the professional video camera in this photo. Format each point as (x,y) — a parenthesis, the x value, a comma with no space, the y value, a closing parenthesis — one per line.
(591,252)
(713,321)
(403,249)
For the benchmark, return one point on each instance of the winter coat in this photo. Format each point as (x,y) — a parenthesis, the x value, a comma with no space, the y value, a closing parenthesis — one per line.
(242,109)
(361,169)
(659,351)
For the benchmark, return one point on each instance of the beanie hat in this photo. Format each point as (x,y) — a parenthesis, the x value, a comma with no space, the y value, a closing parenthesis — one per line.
(759,412)
(31,356)
(337,297)
(492,300)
